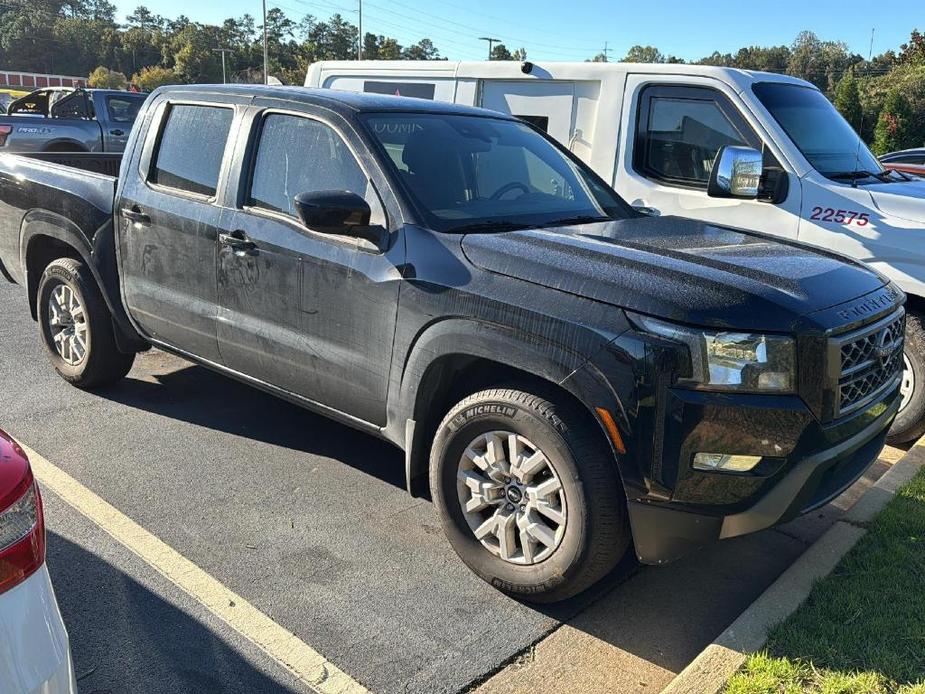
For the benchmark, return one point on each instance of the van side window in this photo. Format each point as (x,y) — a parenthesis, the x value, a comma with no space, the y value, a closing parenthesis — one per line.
(192,144)
(681,129)
(296,155)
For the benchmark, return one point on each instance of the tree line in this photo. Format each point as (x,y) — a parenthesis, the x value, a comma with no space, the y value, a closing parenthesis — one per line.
(82,37)
(883,97)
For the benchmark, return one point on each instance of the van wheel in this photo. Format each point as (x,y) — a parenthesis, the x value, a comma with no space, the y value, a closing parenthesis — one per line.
(528,494)
(910,422)
(76,327)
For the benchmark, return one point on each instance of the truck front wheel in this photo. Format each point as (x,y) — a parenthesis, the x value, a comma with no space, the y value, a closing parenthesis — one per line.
(528,494)
(76,326)
(910,422)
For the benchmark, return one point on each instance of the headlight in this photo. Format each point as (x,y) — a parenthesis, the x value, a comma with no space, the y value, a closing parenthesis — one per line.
(748,362)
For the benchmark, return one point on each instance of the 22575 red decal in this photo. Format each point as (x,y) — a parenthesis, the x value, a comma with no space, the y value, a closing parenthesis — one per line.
(827,214)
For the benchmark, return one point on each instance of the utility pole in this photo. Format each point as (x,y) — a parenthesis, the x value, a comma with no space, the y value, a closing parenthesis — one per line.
(360,32)
(223,51)
(606,51)
(266,61)
(491,43)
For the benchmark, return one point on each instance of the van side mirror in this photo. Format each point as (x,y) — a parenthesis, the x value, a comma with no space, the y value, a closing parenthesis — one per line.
(736,173)
(337,212)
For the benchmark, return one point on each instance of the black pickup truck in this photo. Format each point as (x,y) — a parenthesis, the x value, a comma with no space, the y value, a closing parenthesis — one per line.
(575,379)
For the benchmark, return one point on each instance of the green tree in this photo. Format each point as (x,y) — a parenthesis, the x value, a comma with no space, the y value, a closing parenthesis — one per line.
(894,126)
(848,100)
(422,50)
(389,49)
(500,52)
(104,78)
(519,54)
(150,78)
(643,54)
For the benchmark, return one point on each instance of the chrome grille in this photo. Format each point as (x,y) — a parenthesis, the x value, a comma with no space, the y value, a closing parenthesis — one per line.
(871,360)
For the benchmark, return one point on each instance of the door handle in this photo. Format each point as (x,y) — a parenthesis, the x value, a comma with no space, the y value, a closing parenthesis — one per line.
(135,215)
(647,211)
(117,132)
(238,241)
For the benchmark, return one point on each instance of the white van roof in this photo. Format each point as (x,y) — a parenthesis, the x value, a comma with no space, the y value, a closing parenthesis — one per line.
(510,69)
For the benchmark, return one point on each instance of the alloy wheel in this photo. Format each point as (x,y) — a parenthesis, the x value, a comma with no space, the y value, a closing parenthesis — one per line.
(512,497)
(67,323)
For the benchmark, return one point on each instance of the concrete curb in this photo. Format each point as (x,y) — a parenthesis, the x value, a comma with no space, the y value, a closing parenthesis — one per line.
(710,670)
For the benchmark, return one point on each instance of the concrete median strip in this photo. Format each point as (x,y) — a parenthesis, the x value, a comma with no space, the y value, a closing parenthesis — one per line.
(282,646)
(710,670)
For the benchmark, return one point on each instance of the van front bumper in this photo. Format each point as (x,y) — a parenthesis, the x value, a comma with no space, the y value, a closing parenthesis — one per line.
(817,464)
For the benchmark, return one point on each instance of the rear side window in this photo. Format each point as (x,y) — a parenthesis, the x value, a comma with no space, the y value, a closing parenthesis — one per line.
(123,109)
(189,154)
(680,132)
(300,155)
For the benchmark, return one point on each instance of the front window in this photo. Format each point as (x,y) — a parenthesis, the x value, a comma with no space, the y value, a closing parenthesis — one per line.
(826,139)
(469,171)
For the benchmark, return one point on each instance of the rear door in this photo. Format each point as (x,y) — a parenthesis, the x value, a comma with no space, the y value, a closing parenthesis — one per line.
(170,220)
(311,313)
(116,113)
(671,135)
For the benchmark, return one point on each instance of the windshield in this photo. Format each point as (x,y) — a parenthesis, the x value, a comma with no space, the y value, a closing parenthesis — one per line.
(467,172)
(826,139)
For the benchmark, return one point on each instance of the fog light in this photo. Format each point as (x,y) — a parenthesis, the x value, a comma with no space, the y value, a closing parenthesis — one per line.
(725,463)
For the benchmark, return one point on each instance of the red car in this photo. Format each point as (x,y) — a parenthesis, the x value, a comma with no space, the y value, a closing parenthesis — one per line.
(35,655)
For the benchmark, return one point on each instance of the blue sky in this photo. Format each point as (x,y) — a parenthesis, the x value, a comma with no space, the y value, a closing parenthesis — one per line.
(557,30)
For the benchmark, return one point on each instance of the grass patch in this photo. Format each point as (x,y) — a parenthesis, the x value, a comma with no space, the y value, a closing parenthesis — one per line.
(862,628)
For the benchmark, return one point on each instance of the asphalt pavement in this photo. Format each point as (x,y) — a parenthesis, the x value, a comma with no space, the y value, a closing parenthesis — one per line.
(308,520)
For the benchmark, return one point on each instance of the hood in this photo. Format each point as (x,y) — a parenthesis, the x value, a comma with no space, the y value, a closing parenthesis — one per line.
(679,269)
(903,199)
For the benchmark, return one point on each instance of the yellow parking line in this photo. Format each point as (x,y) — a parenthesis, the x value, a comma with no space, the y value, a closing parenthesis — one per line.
(284,647)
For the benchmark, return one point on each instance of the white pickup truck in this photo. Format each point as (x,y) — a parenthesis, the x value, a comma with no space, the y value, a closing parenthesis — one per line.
(654,131)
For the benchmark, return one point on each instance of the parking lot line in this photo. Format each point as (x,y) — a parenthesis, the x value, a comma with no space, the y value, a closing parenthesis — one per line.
(282,646)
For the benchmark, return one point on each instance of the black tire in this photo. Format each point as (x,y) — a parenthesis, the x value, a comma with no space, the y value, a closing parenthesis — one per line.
(596,532)
(910,422)
(102,363)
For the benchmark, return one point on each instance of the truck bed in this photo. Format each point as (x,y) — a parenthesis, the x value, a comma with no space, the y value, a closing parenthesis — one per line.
(38,187)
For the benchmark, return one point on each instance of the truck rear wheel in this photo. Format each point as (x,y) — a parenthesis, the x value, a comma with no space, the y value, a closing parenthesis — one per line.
(528,494)
(910,422)
(76,327)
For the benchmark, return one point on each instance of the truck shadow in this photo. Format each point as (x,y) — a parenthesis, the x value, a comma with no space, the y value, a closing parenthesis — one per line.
(127,639)
(197,395)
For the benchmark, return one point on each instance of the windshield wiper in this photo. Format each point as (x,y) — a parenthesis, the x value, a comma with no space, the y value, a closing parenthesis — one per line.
(572,221)
(489,226)
(860,173)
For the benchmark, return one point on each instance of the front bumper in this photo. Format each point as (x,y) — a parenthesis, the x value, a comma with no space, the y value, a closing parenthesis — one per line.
(35,656)
(814,464)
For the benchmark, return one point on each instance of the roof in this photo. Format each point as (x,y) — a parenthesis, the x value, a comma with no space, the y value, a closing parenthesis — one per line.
(334,99)
(512,69)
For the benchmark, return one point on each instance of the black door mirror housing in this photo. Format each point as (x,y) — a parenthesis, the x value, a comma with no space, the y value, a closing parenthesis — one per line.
(337,212)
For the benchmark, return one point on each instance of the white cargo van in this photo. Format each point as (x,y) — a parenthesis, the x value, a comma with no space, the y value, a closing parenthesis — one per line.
(654,132)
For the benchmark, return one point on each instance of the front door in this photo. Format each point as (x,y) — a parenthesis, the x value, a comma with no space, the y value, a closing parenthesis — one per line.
(311,313)
(170,220)
(672,135)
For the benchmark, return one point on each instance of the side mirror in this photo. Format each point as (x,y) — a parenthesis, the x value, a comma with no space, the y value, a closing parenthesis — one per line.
(336,212)
(736,173)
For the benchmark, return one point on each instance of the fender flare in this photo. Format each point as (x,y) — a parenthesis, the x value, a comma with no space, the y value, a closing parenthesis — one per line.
(43,223)
(536,355)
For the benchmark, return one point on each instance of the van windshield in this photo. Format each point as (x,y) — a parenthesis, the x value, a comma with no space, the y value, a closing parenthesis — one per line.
(472,173)
(826,139)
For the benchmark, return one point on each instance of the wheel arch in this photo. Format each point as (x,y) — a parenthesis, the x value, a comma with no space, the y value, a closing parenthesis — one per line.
(64,144)
(458,357)
(46,236)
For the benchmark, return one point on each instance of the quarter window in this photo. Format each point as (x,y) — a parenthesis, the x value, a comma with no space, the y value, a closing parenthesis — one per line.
(301,155)
(192,144)
(680,133)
